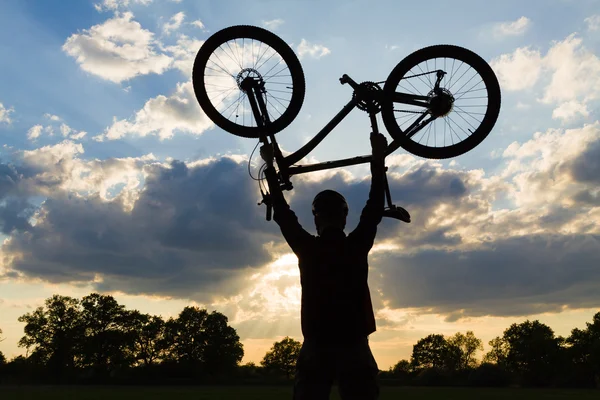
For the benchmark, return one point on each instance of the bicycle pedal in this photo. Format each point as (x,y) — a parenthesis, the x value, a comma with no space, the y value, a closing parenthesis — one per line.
(397,213)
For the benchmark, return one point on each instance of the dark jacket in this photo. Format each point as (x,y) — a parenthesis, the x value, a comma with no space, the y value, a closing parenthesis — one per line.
(336,302)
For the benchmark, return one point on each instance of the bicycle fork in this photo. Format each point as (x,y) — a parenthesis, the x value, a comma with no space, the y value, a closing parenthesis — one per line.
(254,90)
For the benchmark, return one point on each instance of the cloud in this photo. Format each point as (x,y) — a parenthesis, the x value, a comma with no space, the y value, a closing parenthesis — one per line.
(34,132)
(168,229)
(164,116)
(516,276)
(538,257)
(312,50)
(174,23)
(570,110)
(184,53)
(5,114)
(575,72)
(273,24)
(66,131)
(117,50)
(199,24)
(593,22)
(78,135)
(512,28)
(117,4)
(519,70)
(176,239)
(52,117)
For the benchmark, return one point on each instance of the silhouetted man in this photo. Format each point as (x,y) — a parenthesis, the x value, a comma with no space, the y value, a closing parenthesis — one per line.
(336,312)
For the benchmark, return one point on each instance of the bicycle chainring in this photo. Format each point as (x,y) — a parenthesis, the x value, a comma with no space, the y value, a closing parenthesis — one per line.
(367,100)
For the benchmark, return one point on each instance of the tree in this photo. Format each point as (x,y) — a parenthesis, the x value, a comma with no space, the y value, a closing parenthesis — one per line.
(402,367)
(2,358)
(282,357)
(468,345)
(223,351)
(434,351)
(105,346)
(533,352)
(584,351)
(498,353)
(203,341)
(145,336)
(53,333)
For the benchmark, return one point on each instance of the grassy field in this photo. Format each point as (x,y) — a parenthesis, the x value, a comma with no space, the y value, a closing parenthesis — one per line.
(277,393)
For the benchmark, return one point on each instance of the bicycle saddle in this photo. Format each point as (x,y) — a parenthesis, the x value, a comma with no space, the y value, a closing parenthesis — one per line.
(397,213)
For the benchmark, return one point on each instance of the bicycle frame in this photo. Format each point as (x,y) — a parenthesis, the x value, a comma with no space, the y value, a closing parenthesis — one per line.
(286,164)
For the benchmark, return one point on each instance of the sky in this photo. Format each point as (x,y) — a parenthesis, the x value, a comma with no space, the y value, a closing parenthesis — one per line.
(113,180)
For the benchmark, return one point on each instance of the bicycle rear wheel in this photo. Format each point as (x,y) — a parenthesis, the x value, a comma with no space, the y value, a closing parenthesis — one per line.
(238,52)
(447,121)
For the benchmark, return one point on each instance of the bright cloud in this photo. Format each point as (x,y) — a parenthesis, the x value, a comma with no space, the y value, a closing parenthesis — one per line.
(174,23)
(512,28)
(198,24)
(312,50)
(273,24)
(593,22)
(34,132)
(573,69)
(52,117)
(184,53)
(116,4)
(117,50)
(5,114)
(163,116)
(570,110)
(519,70)
(575,72)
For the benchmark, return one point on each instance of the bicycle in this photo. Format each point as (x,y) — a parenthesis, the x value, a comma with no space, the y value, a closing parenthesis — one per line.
(227,74)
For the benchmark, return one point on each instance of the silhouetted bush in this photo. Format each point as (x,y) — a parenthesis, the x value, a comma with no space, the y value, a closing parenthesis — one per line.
(431,377)
(490,375)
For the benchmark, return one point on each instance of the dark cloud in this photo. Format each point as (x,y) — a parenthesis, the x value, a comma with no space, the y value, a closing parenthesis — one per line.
(586,167)
(192,233)
(587,197)
(515,276)
(419,191)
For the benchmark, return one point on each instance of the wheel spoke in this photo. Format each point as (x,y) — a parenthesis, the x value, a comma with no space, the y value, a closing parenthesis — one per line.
(465,84)
(459,78)
(421,79)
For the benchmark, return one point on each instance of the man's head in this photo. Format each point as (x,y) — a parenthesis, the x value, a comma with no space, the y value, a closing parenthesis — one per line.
(330,210)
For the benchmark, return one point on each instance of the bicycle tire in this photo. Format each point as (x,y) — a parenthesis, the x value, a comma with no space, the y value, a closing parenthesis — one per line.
(448,52)
(280,47)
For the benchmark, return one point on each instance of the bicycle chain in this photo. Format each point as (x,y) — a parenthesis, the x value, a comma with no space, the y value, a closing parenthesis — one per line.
(407,77)
(410,112)
(412,76)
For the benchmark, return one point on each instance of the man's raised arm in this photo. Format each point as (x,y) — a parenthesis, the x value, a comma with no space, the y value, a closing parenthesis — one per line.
(287,220)
(372,213)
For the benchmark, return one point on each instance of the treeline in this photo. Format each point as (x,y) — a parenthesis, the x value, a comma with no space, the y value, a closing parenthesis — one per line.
(97,340)
(527,354)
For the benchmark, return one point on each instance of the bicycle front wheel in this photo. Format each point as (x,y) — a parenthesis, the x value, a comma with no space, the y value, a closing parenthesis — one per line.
(441,101)
(233,54)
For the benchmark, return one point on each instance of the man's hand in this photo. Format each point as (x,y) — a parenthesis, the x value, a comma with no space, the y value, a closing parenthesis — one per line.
(266,152)
(378,146)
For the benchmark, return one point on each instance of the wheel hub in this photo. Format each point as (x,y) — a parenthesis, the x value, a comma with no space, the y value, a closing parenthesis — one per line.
(368,97)
(246,77)
(441,102)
